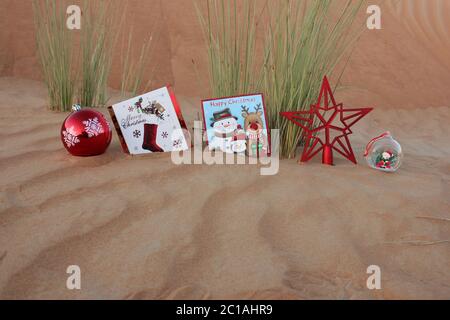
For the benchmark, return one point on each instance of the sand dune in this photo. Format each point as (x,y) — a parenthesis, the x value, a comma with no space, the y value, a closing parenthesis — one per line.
(143,228)
(428,21)
(424,18)
(403,65)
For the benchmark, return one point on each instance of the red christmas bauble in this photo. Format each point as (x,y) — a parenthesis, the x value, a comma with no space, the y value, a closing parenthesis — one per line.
(86,132)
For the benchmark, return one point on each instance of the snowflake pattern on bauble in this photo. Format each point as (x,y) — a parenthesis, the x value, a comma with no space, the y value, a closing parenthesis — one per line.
(70,137)
(93,127)
(164,135)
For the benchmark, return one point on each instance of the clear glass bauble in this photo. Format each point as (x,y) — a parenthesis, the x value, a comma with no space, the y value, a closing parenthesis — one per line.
(384,153)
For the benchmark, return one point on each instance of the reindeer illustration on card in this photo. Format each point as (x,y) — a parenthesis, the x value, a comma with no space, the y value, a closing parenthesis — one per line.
(237,125)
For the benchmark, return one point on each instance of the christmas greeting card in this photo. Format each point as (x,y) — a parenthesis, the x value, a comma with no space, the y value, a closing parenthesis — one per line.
(150,123)
(237,125)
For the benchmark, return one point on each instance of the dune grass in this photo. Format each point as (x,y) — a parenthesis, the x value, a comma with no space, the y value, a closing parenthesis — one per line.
(56,54)
(101,21)
(76,64)
(229,30)
(304,41)
(133,70)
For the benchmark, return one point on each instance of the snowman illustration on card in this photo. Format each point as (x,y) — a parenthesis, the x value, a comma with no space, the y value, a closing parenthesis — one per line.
(237,125)
(150,123)
(228,136)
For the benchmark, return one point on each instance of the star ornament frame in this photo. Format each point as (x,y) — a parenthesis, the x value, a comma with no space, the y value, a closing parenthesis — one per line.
(315,122)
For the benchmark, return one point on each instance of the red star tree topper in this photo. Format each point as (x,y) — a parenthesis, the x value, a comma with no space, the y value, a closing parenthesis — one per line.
(327,127)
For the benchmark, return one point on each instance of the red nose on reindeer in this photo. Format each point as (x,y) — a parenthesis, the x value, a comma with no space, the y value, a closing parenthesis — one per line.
(254,126)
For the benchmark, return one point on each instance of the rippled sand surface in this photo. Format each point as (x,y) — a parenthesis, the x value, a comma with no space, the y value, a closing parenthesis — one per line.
(144,228)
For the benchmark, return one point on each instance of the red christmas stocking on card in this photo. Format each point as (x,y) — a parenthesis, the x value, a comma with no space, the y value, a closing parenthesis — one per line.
(150,135)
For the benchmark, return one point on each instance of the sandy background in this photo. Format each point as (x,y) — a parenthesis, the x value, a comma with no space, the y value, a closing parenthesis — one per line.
(403,65)
(145,228)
